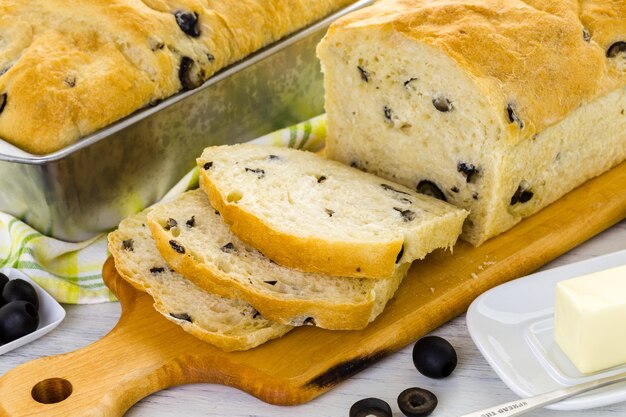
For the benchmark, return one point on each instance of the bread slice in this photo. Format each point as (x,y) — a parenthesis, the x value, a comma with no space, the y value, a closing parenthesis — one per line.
(226,323)
(309,213)
(195,241)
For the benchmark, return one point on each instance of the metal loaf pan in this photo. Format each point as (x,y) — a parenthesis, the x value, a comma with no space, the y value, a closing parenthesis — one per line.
(88,187)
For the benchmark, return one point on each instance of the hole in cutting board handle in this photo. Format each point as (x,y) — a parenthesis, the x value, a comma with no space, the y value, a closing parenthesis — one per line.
(51,390)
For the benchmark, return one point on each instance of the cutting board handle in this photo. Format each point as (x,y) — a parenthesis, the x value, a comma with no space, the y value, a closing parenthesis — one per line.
(103,379)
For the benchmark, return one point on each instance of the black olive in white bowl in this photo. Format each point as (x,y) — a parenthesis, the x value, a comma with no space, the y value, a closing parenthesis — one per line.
(20,290)
(22,320)
(17,319)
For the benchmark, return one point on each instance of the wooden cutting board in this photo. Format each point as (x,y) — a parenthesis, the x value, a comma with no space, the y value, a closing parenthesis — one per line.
(145,353)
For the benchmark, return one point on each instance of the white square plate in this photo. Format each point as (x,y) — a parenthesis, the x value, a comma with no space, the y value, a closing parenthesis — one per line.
(512,325)
(50,313)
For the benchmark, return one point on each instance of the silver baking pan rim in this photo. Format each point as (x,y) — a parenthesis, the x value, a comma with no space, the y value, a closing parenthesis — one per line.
(149,111)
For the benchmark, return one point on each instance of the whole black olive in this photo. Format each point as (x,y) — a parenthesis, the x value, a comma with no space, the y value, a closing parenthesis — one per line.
(434,357)
(370,407)
(17,319)
(417,402)
(20,290)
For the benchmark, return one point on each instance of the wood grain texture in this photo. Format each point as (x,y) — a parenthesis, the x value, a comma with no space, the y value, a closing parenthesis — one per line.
(145,353)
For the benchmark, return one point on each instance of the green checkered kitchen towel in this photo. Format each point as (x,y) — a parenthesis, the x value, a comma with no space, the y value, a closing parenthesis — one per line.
(71,272)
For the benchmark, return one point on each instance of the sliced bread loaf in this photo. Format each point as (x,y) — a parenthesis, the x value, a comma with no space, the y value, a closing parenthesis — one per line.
(499,107)
(312,214)
(226,323)
(195,241)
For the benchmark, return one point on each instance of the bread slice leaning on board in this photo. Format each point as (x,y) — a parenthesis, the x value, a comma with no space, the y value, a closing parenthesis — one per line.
(229,324)
(192,237)
(499,107)
(316,215)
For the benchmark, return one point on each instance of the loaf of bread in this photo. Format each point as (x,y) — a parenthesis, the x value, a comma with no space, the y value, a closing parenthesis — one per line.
(227,323)
(497,106)
(192,237)
(68,69)
(306,212)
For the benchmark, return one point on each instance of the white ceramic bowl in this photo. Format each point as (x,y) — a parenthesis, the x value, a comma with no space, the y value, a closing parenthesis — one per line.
(50,313)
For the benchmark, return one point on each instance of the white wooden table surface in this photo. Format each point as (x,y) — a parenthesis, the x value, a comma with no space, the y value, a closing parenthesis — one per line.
(472,386)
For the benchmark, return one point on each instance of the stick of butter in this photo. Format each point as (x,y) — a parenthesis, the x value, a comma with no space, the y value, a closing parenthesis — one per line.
(590,319)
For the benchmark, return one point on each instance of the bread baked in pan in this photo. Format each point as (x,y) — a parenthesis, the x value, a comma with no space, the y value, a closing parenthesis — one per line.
(69,69)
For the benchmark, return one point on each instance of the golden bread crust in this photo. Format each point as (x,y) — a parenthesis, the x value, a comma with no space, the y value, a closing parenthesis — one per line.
(70,70)
(542,58)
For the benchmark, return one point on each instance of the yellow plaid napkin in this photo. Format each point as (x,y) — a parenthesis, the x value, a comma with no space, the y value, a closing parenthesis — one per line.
(71,272)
